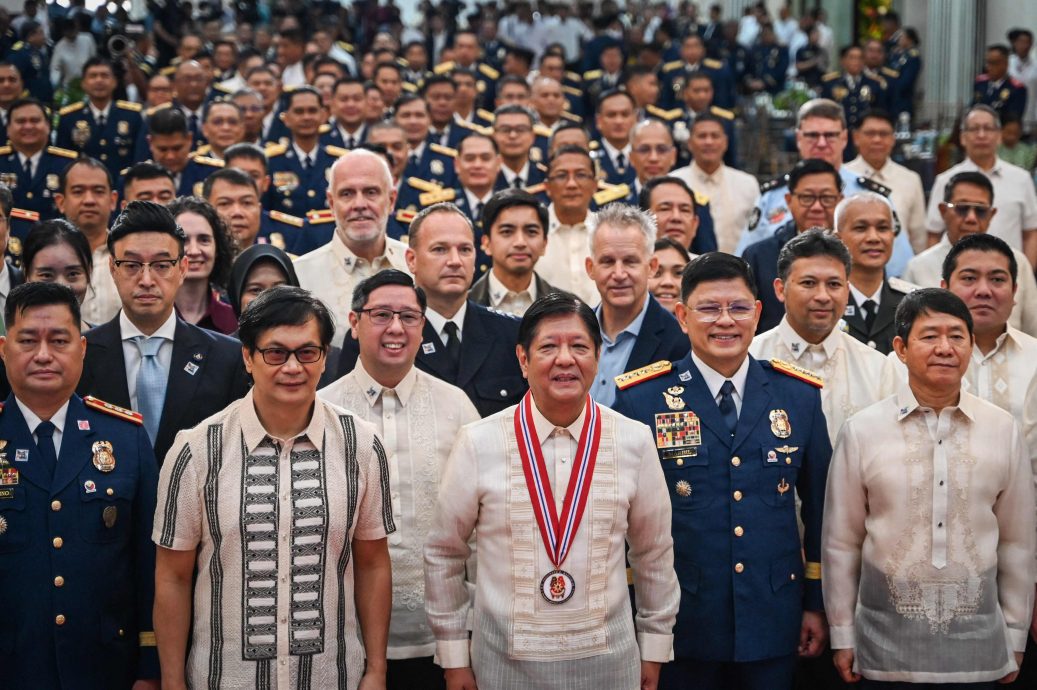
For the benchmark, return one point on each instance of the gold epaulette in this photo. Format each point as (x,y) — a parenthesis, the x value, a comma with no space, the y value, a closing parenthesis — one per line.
(569,116)
(573,76)
(316,217)
(536,188)
(221,88)
(890,72)
(23,214)
(485,131)
(408,87)
(489,71)
(485,114)
(67,153)
(208,160)
(129,105)
(147,639)
(167,71)
(203,150)
(812,570)
(542,130)
(4,150)
(658,112)
(154,109)
(285,218)
(324,128)
(444,67)
(572,90)
(71,108)
(646,373)
(712,63)
(591,75)
(701,199)
(336,151)
(444,150)
(804,375)
(405,216)
(436,197)
(423,185)
(113,410)
(18,46)
(672,65)
(830,76)
(346,46)
(613,193)
(722,112)
(274,150)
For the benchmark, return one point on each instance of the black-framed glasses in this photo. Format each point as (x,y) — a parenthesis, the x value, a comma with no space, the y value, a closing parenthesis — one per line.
(808,199)
(814,137)
(276,356)
(648,149)
(162,268)
(383,317)
(738,311)
(962,210)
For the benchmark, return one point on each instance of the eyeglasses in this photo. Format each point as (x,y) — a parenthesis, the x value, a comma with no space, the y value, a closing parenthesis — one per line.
(563,177)
(507,130)
(221,121)
(963,210)
(162,268)
(808,199)
(276,356)
(251,108)
(648,149)
(383,317)
(982,129)
(738,311)
(814,137)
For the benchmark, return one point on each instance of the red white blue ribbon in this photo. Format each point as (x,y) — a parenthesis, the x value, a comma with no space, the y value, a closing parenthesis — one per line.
(557,531)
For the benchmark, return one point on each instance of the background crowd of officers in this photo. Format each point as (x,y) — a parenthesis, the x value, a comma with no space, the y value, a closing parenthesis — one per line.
(527,123)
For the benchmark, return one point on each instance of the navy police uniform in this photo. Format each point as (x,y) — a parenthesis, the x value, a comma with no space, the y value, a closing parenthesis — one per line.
(908,64)
(763,258)
(333,136)
(279,229)
(112,144)
(295,190)
(1005,96)
(737,549)
(317,230)
(856,95)
(193,176)
(770,64)
(676,73)
(879,334)
(77,564)
(681,120)
(34,66)
(435,164)
(35,193)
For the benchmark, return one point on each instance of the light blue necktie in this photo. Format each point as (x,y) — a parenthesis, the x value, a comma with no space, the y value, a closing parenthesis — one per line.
(151,383)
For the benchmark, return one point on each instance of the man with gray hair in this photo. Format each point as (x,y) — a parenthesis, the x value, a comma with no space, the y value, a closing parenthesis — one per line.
(361,194)
(635,329)
(1016,218)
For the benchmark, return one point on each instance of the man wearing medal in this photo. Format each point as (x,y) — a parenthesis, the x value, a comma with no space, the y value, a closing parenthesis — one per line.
(553,489)
(77,495)
(737,438)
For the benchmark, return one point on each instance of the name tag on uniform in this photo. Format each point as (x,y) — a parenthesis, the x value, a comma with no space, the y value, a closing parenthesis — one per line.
(677,434)
(428,348)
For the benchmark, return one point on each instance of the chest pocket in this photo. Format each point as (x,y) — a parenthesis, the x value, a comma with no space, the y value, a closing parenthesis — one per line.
(500,389)
(687,481)
(106,514)
(14,519)
(777,482)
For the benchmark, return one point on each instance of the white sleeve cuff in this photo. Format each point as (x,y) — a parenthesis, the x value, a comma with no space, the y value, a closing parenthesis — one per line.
(655,647)
(1017,638)
(842,637)
(453,653)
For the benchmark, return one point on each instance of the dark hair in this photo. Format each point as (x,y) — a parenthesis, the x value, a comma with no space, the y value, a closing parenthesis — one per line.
(565,125)
(980,242)
(463,72)
(714,266)
(290,96)
(612,93)
(845,50)
(1011,117)
(346,81)
(218,102)
(877,114)
(559,303)
(812,166)
(810,244)
(928,301)
(644,199)
(292,35)
(25,103)
(6,200)
(971,177)
(88,162)
(168,120)
(477,135)
(999,48)
(664,243)
(406,98)
(98,61)
(1016,33)
(708,117)
(262,68)
(635,71)
(54,232)
(145,171)
(29,295)
(513,79)
(232,175)
(223,255)
(514,109)
(283,305)
(386,65)
(145,216)
(249,259)
(512,198)
(569,149)
(524,54)
(389,276)
(244,150)
(434,80)
(698,75)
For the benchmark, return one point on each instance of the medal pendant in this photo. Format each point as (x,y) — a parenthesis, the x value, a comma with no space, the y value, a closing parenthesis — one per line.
(557,587)
(104,458)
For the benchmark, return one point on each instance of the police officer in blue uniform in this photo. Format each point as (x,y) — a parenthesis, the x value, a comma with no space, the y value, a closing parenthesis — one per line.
(297,170)
(99,126)
(30,55)
(996,88)
(907,61)
(854,90)
(738,439)
(697,101)
(426,161)
(29,167)
(77,498)
(693,58)
(769,62)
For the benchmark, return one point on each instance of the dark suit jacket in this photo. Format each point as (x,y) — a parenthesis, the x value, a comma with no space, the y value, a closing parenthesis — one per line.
(17,278)
(489,372)
(660,337)
(219,380)
(880,336)
(480,292)
(763,257)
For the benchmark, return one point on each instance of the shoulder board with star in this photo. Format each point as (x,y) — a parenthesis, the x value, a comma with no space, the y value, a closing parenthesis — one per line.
(409,87)
(721,112)
(890,72)
(616,192)
(66,153)
(23,214)
(795,372)
(591,75)
(444,67)
(831,76)
(4,150)
(71,108)
(571,90)
(566,115)
(336,151)
(542,130)
(646,373)
(423,185)
(488,71)
(901,285)
(275,150)
(203,150)
(221,88)
(444,150)
(437,197)
(873,186)
(285,218)
(207,160)
(672,65)
(129,105)
(324,215)
(154,109)
(573,76)
(712,63)
(113,410)
(777,182)
(536,188)
(471,126)
(656,111)
(405,215)
(486,114)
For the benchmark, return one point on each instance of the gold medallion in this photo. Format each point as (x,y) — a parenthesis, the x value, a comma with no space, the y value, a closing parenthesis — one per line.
(52,181)
(1005,93)
(109,515)
(123,128)
(672,397)
(780,426)
(3,524)
(81,133)
(104,459)
(682,488)
(435,166)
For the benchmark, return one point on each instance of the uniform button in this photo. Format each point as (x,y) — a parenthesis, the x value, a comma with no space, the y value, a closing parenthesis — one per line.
(736,461)
(59,581)
(104,142)
(58,542)
(59,619)
(871,344)
(738,495)
(792,576)
(311,193)
(28,195)
(110,491)
(739,567)
(122,633)
(55,506)
(788,461)
(104,156)
(284,661)
(503,392)
(739,531)
(680,463)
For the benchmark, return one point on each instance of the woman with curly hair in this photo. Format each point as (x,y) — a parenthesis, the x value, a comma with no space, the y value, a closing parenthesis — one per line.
(209,256)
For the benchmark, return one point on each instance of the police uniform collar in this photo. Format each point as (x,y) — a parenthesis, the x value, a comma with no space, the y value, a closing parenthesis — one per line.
(357,135)
(99,113)
(253,433)
(613,151)
(907,403)
(714,379)
(798,346)
(302,154)
(473,200)
(35,158)
(546,427)
(859,297)
(32,420)
(418,150)
(510,175)
(372,390)
(188,112)
(438,321)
